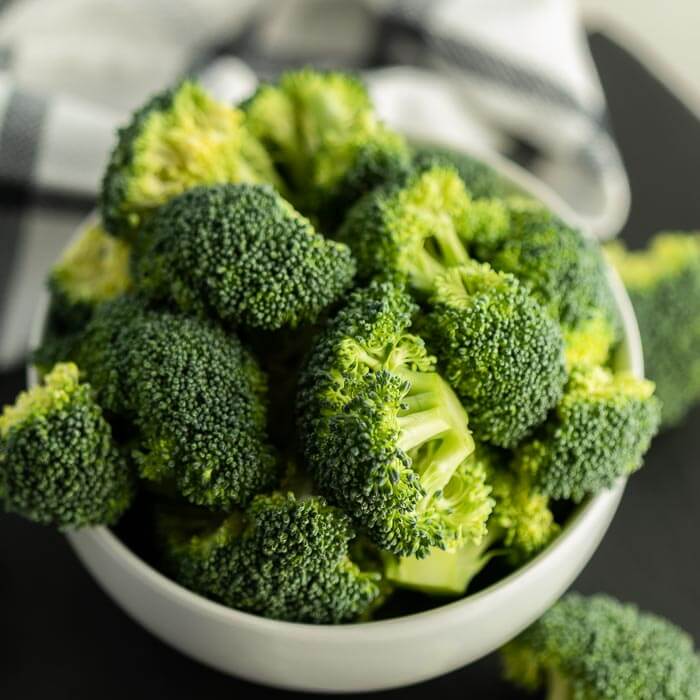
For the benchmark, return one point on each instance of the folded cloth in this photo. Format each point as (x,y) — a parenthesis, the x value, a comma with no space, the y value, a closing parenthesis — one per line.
(486,75)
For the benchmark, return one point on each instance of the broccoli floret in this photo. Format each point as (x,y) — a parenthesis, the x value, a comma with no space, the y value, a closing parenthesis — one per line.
(383,433)
(600,431)
(414,230)
(58,463)
(242,254)
(599,649)
(285,557)
(498,349)
(563,270)
(196,396)
(663,282)
(180,138)
(324,137)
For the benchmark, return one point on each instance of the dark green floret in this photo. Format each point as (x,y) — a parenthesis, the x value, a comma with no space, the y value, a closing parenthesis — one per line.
(663,282)
(384,434)
(599,649)
(285,558)
(242,254)
(180,138)
(600,431)
(194,393)
(58,463)
(498,349)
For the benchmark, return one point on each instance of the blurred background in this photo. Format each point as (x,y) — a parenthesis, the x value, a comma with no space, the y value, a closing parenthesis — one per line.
(608,117)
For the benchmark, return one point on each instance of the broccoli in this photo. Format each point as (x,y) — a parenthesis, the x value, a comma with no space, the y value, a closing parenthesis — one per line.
(601,429)
(180,138)
(325,139)
(195,394)
(519,527)
(58,463)
(498,349)
(383,433)
(284,557)
(414,230)
(663,282)
(242,254)
(599,649)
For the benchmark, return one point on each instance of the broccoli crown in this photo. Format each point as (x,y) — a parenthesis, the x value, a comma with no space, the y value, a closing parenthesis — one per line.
(194,393)
(563,270)
(284,557)
(663,282)
(413,230)
(383,433)
(599,649)
(498,348)
(58,463)
(180,138)
(601,429)
(324,137)
(243,254)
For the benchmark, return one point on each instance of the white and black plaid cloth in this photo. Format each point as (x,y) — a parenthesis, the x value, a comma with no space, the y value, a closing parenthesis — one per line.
(513,76)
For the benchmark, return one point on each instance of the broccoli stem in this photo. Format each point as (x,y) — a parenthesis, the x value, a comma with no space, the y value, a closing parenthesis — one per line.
(558,687)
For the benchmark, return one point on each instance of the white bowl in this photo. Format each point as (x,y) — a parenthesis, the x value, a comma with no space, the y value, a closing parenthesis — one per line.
(364,656)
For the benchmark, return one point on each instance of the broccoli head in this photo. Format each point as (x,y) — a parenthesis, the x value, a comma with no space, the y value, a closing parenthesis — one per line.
(498,349)
(284,557)
(325,139)
(663,282)
(384,434)
(58,463)
(599,649)
(600,431)
(414,230)
(179,139)
(242,254)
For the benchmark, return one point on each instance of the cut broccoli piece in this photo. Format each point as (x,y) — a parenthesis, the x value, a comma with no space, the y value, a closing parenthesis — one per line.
(599,649)
(498,349)
(600,431)
(58,463)
(414,230)
(663,282)
(284,557)
(383,433)
(180,138)
(242,254)
(195,394)
(324,137)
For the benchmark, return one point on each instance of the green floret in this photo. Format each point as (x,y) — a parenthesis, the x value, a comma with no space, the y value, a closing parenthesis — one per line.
(415,230)
(563,270)
(180,138)
(194,393)
(599,649)
(58,463)
(600,431)
(384,434)
(284,557)
(663,282)
(498,349)
(324,137)
(242,254)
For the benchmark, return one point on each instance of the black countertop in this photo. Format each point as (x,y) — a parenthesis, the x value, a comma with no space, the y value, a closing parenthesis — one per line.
(62,638)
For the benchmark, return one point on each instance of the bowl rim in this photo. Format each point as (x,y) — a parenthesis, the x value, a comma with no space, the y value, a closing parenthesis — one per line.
(630,353)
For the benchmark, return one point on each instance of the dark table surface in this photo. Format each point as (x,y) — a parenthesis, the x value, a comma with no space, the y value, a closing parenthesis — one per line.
(62,638)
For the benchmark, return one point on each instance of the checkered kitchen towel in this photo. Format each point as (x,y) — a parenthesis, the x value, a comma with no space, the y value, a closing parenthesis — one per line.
(513,76)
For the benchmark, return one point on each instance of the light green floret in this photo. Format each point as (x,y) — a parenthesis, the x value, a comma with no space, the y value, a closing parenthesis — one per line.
(58,463)
(663,282)
(415,230)
(599,649)
(600,431)
(181,138)
(383,433)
